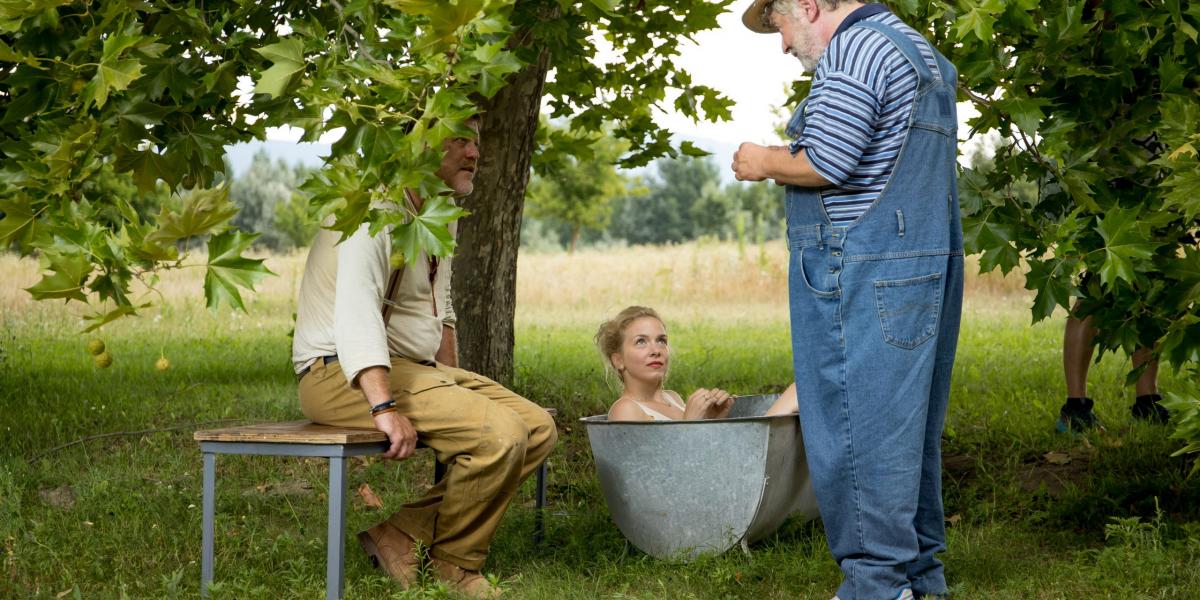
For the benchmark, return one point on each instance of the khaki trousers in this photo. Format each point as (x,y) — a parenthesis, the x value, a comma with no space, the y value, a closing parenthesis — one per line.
(490,438)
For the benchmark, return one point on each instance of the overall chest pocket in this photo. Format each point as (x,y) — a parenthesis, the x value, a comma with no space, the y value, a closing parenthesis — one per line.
(909,309)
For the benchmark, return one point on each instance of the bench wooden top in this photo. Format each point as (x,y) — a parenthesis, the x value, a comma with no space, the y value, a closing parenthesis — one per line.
(292,432)
(296,432)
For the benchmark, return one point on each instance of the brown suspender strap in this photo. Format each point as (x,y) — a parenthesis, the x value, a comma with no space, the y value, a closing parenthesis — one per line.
(391,289)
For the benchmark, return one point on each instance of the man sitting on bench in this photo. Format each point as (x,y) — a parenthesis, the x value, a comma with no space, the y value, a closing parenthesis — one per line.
(375,347)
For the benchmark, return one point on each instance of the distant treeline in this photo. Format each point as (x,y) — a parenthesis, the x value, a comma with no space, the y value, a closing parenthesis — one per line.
(575,203)
(674,201)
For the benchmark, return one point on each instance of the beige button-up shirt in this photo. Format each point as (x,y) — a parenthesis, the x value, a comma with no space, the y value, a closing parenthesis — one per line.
(339,311)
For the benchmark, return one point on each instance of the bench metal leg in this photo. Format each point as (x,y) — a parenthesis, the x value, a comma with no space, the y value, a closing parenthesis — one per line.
(539,527)
(209,510)
(336,545)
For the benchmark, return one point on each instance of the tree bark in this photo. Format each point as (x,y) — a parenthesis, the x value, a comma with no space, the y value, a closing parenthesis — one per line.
(485,265)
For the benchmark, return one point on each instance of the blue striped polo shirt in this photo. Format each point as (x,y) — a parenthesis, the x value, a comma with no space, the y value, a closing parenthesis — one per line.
(857,113)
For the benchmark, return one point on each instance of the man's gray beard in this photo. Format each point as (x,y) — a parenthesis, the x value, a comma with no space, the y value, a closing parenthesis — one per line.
(808,63)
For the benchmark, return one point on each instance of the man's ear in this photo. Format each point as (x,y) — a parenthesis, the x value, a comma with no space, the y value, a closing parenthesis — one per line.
(811,10)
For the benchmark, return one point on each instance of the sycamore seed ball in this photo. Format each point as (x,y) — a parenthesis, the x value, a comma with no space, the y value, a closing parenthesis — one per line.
(163,364)
(103,360)
(95,346)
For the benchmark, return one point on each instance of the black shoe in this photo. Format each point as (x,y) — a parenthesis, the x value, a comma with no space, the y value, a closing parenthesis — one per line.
(1147,408)
(1076,416)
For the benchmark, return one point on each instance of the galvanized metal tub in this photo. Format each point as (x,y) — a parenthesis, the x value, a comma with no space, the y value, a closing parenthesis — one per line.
(678,489)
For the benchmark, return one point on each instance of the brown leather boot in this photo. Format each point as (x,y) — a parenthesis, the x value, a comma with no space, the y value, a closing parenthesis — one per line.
(392,551)
(471,584)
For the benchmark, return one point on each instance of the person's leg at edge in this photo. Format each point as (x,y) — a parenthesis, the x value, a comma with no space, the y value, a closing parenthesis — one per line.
(1146,404)
(1078,346)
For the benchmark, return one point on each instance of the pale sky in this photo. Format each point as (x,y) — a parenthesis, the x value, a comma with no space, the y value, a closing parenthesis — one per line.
(748,68)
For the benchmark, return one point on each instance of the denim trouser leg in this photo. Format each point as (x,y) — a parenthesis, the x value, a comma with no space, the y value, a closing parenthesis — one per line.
(927,574)
(872,448)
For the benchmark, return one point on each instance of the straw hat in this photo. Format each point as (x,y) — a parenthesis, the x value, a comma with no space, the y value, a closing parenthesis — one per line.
(753,17)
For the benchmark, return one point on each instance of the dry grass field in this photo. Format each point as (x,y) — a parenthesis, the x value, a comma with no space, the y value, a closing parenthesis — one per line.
(700,281)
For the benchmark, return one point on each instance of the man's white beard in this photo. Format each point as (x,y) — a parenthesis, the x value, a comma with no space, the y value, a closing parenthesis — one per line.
(809,63)
(799,47)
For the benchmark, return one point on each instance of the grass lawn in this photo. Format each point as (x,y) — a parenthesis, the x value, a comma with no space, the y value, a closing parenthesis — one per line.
(1032,514)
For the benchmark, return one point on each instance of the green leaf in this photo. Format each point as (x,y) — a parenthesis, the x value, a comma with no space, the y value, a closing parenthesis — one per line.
(202,212)
(68,272)
(428,232)
(111,77)
(1186,271)
(287,57)
(1026,113)
(977,21)
(1124,242)
(1052,280)
(118,43)
(100,319)
(607,6)
(1183,191)
(7,54)
(906,7)
(227,269)
(147,166)
(690,149)
(994,240)
(19,225)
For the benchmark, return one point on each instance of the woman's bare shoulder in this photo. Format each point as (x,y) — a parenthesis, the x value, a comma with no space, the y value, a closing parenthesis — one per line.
(627,409)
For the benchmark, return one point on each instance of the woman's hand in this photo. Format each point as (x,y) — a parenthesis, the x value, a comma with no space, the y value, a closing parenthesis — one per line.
(721,405)
(707,404)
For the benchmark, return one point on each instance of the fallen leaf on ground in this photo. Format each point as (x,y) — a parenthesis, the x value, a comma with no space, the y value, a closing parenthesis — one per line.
(368,496)
(1057,458)
(953,519)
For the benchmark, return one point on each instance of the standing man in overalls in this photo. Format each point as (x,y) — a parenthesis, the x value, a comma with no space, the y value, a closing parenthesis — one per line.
(875,281)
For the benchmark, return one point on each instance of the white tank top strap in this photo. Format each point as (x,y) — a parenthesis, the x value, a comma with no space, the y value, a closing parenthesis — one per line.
(653,414)
(674,399)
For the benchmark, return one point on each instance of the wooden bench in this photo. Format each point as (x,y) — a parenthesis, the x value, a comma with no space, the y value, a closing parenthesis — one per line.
(305,438)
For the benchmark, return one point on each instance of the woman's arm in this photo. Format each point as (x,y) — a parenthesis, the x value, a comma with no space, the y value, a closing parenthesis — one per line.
(786,404)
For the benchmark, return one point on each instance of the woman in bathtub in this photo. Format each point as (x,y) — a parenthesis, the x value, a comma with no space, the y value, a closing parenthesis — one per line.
(633,345)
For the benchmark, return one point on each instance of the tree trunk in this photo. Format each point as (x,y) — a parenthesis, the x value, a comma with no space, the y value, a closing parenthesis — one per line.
(485,265)
(574,239)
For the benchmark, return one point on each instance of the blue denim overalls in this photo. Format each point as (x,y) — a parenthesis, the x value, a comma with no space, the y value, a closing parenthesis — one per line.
(875,311)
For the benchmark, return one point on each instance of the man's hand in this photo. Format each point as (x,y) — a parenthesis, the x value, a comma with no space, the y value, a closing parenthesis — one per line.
(400,433)
(749,162)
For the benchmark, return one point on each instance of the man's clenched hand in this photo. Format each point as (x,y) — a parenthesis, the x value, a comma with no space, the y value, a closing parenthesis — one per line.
(401,435)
